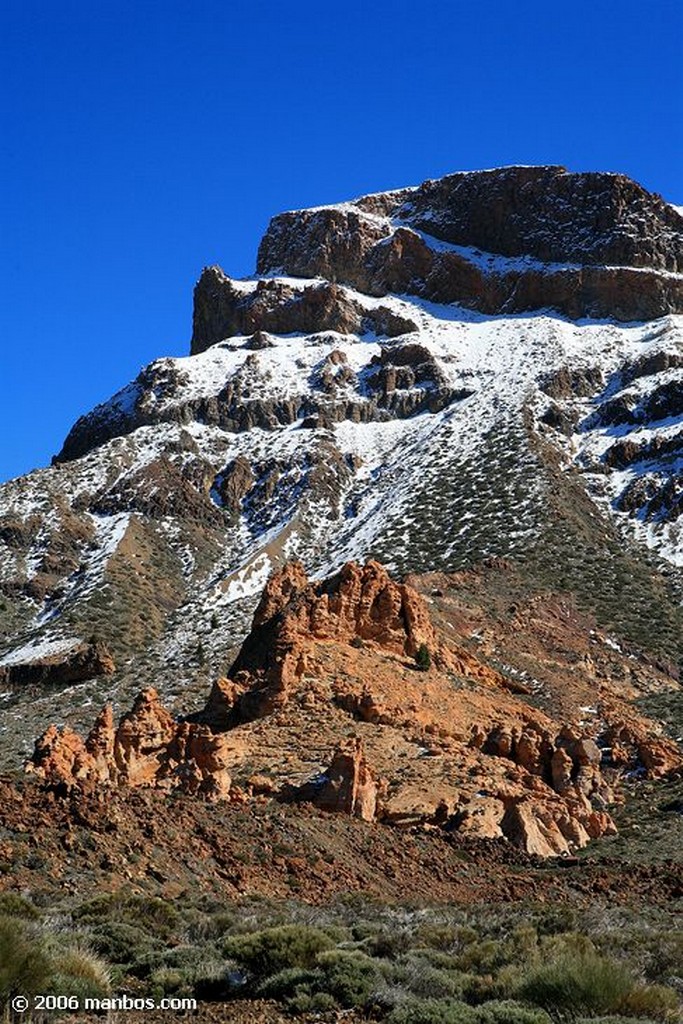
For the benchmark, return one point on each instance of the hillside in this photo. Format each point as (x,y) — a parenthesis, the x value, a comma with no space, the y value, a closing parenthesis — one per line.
(381,582)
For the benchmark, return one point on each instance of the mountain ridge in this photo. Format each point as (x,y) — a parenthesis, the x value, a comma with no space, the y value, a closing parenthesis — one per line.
(331,424)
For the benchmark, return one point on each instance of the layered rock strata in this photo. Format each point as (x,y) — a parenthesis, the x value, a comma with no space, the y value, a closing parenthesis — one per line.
(502,241)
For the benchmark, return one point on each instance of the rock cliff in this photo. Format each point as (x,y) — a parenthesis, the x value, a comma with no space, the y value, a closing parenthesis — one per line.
(501,241)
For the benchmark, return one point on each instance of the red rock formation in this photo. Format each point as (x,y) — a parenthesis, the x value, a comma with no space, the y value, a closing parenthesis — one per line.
(358,603)
(148,748)
(348,785)
(460,751)
(636,742)
(570,763)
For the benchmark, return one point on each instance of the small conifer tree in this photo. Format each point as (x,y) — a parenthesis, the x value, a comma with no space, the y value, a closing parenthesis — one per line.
(423,658)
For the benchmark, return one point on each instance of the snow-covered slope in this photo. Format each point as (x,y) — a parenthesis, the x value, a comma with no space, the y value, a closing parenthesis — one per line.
(427,435)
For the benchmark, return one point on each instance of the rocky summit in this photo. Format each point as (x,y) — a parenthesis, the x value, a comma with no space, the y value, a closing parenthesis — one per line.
(378,588)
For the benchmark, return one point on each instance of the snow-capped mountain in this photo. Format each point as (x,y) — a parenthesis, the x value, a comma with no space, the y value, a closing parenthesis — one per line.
(489,365)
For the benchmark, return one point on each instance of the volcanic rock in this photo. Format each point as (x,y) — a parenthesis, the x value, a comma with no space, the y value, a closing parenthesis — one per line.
(75,665)
(593,244)
(223,308)
(148,749)
(358,603)
(347,786)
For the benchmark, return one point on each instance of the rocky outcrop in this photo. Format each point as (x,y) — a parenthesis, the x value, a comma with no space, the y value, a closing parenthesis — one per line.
(245,401)
(234,483)
(224,308)
(635,744)
(75,665)
(147,749)
(569,761)
(359,603)
(551,214)
(589,244)
(163,487)
(348,786)
(451,747)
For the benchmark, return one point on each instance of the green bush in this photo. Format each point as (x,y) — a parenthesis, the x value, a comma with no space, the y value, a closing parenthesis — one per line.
(24,964)
(433,1011)
(347,975)
(611,1020)
(585,983)
(423,658)
(424,981)
(14,905)
(484,957)
(269,951)
(480,988)
(120,943)
(150,913)
(290,982)
(319,1002)
(32,962)
(78,972)
(507,1012)
(389,942)
(654,1001)
(437,935)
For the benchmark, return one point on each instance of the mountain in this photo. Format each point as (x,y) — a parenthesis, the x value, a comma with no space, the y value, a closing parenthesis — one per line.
(375,596)
(453,373)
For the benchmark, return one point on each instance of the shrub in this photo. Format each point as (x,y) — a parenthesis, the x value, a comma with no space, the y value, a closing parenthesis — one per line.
(24,963)
(484,957)
(120,943)
(292,981)
(508,1012)
(655,1001)
(389,943)
(433,1011)
(611,1020)
(78,972)
(347,975)
(319,1002)
(425,981)
(14,905)
(269,951)
(480,988)
(423,658)
(580,982)
(437,936)
(150,913)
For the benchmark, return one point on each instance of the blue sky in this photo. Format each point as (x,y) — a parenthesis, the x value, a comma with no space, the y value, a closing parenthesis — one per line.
(140,141)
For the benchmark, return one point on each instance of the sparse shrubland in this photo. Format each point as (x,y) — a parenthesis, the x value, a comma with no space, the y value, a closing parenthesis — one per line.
(491,964)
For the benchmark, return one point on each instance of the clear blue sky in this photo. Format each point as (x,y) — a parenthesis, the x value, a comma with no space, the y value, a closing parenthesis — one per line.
(140,141)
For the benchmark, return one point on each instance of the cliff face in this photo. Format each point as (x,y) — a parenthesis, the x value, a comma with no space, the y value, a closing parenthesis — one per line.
(501,241)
